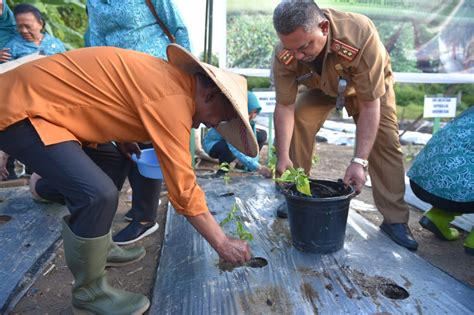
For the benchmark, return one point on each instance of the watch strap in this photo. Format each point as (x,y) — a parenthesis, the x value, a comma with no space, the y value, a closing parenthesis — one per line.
(360,161)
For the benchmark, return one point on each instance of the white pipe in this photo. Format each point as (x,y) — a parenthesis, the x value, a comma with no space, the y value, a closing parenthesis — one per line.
(402,77)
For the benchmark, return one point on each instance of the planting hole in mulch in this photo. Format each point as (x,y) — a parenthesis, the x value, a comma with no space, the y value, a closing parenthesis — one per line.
(372,285)
(255,262)
(228,194)
(4,218)
(393,291)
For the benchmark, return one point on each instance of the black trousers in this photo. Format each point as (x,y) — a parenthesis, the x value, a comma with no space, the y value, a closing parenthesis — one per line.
(110,160)
(90,195)
(261,138)
(145,193)
(221,150)
(442,203)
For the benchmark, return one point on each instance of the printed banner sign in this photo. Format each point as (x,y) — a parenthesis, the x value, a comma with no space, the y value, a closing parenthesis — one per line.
(267,100)
(439,106)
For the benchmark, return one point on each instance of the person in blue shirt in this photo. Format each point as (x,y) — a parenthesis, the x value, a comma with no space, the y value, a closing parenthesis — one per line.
(215,145)
(21,34)
(443,175)
(31,37)
(130,24)
(7,29)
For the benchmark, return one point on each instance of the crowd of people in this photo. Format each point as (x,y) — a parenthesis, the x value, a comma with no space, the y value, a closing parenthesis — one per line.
(76,135)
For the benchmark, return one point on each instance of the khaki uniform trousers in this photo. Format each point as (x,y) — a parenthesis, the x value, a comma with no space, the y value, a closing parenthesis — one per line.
(385,160)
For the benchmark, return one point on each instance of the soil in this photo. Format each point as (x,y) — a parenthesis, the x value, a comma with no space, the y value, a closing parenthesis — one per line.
(321,189)
(51,292)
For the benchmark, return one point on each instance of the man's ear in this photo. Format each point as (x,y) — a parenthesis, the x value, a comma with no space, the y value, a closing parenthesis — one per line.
(324,25)
(211,92)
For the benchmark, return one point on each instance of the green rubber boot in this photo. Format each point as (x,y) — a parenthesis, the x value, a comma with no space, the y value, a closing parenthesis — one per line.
(469,243)
(437,221)
(91,293)
(119,256)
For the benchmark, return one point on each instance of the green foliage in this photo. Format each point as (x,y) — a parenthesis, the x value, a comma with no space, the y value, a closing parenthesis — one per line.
(298,177)
(273,160)
(226,167)
(408,94)
(411,111)
(250,6)
(232,216)
(65,19)
(242,233)
(258,83)
(250,41)
(214,59)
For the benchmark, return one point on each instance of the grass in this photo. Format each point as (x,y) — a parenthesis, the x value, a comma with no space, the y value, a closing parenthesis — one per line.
(411,111)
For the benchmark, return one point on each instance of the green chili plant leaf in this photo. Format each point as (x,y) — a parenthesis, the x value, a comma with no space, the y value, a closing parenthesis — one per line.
(297,177)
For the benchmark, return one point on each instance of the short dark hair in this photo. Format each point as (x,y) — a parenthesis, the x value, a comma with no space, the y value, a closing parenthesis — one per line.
(28,8)
(291,14)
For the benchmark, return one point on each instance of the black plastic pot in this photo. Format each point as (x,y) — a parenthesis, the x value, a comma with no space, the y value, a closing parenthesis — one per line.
(318,224)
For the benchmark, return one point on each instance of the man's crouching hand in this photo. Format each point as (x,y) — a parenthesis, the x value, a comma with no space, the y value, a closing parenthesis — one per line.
(229,249)
(234,251)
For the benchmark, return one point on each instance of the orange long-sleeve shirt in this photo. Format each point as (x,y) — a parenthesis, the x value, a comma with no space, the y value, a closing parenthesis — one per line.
(103,94)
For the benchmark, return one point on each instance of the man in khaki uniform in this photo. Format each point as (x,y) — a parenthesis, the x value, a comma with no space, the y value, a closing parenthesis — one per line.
(327,57)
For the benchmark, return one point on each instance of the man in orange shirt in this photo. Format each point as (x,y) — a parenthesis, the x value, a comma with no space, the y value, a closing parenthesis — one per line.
(94,95)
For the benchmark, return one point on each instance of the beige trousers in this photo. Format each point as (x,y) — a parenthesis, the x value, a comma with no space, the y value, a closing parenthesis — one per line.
(385,160)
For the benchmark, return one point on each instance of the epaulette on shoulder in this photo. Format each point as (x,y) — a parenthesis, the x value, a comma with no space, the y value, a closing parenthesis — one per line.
(285,57)
(344,50)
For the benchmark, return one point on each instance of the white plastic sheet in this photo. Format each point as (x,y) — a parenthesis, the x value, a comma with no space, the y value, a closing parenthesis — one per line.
(350,281)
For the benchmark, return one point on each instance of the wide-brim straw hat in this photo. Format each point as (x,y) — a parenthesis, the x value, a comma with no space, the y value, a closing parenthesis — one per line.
(234,86)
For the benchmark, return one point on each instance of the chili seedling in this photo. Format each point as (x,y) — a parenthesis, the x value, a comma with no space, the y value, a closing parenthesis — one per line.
(232,216)
(226,168)
(298,177)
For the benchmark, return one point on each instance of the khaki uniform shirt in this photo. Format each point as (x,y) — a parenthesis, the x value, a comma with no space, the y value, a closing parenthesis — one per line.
(102,94)
(353,44)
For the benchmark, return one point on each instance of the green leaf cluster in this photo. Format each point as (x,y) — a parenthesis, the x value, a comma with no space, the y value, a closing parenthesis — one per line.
(273,160)
(250,40)
(298,177)
(226,167)
(65,19)
(232,216)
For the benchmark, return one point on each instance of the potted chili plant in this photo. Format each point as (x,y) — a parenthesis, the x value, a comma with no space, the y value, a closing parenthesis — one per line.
(317,211)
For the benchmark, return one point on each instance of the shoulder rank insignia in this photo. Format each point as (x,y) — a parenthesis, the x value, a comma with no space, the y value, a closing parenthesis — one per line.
(286,57)
(346,51)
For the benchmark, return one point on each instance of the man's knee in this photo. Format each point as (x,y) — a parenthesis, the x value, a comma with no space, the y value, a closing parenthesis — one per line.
(106,196)
(102,197)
